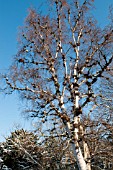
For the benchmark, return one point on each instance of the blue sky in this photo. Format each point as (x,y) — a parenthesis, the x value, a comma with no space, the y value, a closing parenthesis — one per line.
(12,15)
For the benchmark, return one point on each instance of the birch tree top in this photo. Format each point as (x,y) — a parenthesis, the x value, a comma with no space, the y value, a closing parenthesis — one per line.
(61,56)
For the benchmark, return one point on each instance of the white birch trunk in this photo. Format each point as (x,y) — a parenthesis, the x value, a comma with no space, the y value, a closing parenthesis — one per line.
(77,152)
(87,155)
(79,157)
(75,146)
(76,149)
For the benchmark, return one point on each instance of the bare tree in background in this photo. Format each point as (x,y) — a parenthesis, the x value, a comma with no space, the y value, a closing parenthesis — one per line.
(22,150)
(62,58)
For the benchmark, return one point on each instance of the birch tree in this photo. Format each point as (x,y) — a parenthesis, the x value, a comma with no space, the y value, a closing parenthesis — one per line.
(61,60)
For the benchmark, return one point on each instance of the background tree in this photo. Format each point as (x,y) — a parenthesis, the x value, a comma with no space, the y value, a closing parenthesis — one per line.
(61,60)
(20,151)
(98,137)
(24,150)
